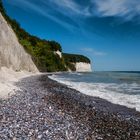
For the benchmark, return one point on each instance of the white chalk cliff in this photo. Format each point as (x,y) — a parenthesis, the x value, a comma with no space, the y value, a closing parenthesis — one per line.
(83,67)
(12,54)
(58,53)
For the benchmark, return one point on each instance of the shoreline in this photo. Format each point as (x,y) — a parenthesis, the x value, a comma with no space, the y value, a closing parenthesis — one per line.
(120,91)
(96,102)
(44,108)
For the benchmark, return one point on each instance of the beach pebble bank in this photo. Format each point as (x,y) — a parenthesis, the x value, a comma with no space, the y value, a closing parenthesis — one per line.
(45,110)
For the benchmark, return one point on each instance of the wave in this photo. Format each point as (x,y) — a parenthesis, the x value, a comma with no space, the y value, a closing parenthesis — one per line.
(123,94)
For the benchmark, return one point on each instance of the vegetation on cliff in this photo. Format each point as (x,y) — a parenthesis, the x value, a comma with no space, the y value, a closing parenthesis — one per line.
(71,59)
(74,58)
(43,51)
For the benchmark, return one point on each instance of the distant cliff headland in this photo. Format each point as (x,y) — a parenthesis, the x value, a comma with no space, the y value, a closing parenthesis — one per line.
(47,55)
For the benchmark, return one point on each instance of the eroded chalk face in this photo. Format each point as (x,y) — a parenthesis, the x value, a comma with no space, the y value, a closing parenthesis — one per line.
(12,54)
(58,53)
(83,67)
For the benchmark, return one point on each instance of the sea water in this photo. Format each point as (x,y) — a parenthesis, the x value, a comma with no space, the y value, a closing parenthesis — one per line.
(117,87)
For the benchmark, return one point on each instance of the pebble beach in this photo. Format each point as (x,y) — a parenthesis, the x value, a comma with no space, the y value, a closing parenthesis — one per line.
(44,109)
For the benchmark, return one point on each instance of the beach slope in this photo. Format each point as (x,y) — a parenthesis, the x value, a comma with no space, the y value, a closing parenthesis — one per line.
(45,109)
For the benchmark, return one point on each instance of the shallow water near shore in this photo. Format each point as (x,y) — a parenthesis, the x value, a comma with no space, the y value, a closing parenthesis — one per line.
(117,87)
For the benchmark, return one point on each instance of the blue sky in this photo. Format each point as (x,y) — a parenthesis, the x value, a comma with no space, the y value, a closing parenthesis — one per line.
(107,31)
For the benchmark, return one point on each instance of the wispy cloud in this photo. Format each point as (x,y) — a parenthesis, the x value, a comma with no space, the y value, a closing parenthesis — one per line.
(74,16)
(126,9)
(72,7)
(42,10)
(93,52)
(121,8)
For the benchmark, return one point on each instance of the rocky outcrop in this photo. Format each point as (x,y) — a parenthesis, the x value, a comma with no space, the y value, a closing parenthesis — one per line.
(12,54)
(83,67)
(58,53)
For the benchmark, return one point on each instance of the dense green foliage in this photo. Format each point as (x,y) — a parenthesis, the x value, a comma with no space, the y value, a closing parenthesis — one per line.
(43,51)
(73,58)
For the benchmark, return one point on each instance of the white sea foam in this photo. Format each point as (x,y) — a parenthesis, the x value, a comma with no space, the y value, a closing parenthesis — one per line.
(115,93)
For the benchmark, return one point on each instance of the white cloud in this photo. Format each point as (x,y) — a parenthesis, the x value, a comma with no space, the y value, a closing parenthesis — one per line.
(93,51)
(70,6)
(78,13)
(127,9)
(120,8)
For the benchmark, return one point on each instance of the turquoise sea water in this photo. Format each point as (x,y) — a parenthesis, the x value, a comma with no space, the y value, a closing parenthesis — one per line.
(117,87)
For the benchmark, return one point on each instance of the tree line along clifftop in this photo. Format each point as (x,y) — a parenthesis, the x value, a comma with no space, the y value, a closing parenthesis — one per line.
(43,51)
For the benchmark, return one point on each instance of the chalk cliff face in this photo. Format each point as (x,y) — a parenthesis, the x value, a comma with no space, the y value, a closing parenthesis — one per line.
(83,67)
(12,54)
(58,53)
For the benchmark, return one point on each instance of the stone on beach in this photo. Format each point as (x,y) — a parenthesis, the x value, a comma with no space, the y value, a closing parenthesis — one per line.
(45,109)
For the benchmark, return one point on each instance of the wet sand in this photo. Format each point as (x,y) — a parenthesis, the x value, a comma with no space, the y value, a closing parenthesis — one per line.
(45,109)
